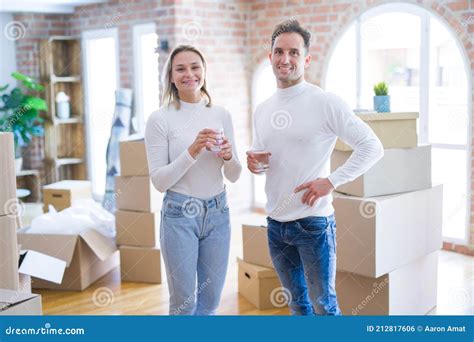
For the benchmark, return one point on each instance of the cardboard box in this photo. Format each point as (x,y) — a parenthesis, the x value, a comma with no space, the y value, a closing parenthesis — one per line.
(8,253)
(133,159)
(137,229)
(408,290)
(255,241)
(377,235)
(8,203)
(88,256)
(62,194)
(140,264)
(399,170)
(395,130)
(16,303)
(137,194)
(259,285)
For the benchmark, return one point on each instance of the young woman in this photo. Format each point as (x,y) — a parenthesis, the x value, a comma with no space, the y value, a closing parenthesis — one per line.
(188,156)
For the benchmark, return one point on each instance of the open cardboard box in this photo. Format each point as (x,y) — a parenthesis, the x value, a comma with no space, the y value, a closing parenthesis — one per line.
(14,303)
(88,256)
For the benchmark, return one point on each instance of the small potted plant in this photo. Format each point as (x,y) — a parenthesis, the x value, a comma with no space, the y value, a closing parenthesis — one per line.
(20,113)
(381,98)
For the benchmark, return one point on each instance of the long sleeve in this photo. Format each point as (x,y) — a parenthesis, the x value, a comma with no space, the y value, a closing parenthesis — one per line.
(164,174)
(232,167)
(352,130)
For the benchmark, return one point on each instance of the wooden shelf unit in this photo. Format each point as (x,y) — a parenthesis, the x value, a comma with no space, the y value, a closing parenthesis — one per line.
(60,70)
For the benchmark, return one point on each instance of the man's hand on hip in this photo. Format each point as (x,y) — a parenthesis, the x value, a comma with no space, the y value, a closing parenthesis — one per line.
(314,190)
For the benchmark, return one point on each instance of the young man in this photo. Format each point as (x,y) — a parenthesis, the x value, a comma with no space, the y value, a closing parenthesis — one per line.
(299,125)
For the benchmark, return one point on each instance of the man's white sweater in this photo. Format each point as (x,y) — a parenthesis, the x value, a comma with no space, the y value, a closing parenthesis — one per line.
(300,125)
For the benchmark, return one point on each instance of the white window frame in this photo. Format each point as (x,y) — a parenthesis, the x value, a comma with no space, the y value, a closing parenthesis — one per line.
(138,31)
(86,35)
(424,15)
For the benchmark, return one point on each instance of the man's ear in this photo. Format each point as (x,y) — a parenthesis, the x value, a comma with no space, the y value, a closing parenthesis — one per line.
(270,56)
(307,60)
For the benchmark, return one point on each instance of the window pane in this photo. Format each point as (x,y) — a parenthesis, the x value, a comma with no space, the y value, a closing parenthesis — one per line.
(449,168)
(149,74)
(341,75)
(391,53)
(448,118)
(102,81)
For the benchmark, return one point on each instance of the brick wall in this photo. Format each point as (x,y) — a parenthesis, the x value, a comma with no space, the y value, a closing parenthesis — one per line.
(235,37)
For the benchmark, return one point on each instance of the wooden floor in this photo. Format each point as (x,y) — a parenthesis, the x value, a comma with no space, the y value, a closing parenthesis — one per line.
(109,296)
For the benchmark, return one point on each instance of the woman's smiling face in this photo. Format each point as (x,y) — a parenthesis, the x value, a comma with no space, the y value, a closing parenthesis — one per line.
(187,72)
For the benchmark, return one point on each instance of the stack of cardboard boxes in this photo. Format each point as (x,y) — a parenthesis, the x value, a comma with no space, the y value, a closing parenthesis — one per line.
(389,223)
(138,215)
(12,300)
(257,279)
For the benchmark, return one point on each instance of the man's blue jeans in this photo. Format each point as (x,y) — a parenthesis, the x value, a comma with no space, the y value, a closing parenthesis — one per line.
(304,255)
(195,241)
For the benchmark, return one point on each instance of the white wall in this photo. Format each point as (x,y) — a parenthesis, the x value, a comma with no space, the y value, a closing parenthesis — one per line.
(7,54)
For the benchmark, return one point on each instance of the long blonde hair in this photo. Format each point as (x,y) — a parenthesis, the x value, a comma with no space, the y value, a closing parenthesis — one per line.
(170,92)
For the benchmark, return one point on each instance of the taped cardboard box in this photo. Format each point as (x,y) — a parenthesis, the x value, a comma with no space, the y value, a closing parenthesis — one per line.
(62,194)
(133,159)
(88,256)
(255,243)
(14,303)
(395,130)
(377,235)
(140,264)
(399,170)
(259,285)
(137,194)
(8,199)
(408,290)
(137,228)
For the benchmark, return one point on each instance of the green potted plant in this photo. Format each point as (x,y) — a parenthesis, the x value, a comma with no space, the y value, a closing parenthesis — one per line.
(20,113)
(381,98)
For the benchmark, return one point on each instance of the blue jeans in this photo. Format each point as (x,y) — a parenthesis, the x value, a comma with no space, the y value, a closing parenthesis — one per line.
(304,255)
(195,241)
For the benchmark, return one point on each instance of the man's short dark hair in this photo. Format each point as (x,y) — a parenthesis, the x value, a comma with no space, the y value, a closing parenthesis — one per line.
(290,26)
